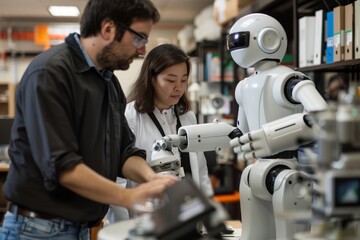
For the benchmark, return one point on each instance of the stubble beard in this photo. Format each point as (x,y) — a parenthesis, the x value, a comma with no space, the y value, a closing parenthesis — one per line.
(107,59)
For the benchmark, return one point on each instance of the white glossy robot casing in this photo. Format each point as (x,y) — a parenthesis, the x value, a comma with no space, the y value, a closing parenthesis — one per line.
(266,40)
(271,115)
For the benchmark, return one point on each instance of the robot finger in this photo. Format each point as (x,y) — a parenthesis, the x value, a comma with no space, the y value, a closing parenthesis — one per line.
(240,157)
(246,138)
(257,135)
(248,147)
(235,142)
(248,156)
(237,149)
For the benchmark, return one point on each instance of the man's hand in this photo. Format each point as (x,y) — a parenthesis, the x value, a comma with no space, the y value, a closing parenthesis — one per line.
(152,189)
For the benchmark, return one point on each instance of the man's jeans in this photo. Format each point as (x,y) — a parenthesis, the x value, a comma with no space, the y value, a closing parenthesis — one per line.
(28,228)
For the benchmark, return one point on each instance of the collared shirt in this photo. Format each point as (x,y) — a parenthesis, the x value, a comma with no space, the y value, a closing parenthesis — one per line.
(84,53)
(62,115)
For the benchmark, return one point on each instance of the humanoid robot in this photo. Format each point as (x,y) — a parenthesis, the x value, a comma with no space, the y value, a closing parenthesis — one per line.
(271,116)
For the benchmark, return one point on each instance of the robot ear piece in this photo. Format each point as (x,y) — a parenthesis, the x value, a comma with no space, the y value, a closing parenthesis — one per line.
(269,40)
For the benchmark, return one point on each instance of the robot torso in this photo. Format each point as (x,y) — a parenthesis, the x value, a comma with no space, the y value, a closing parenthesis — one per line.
(261,97)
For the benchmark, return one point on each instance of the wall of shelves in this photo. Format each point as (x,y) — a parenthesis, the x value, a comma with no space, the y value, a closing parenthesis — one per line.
(307,8)
(348,69)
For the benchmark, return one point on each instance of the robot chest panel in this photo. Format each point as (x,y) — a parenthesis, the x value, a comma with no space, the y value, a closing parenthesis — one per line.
(259,104)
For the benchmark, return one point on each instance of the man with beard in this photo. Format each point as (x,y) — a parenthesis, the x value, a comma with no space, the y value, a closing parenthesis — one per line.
(70,139)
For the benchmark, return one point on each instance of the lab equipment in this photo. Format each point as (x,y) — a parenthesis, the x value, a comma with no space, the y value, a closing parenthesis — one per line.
(184,208)
(336,195)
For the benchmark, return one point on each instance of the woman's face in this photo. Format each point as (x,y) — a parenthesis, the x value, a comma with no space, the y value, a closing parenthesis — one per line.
(170,85)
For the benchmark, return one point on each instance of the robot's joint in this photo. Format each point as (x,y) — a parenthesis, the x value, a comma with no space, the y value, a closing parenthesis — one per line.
(235,133)
(271,177)
(289,86)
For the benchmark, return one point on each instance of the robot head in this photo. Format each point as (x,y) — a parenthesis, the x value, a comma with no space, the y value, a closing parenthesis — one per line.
(256,37)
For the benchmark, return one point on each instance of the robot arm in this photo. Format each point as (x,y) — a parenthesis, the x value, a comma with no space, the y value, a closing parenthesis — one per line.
(199,137)
(207,137)
(191,138)
(304,91)
(283,134)
(296,88)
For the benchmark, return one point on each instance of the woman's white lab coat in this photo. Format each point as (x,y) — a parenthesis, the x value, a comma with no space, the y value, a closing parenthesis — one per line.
(146,133)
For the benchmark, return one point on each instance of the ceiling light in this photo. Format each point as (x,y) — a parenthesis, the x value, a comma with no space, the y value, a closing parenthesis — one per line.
(64,11)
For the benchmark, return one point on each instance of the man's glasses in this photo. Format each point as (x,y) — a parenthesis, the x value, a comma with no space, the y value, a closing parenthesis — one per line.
(139,39)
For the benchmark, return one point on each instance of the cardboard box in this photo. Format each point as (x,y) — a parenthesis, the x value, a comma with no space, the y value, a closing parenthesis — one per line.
(225,10)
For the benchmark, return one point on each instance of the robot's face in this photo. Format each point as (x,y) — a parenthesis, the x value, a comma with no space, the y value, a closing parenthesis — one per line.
(256,37)
(238,40)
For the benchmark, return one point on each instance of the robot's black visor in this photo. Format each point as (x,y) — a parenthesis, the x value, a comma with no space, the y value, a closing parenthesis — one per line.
(238,40)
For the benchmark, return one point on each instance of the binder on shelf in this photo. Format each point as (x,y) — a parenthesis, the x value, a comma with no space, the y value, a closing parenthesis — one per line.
(349,43)
(329,37)
(306,41)
(357,29)
(318,37)
(339,27)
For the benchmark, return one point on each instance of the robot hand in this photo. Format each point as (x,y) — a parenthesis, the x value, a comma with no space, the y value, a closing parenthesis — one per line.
(251,145)
(283,134)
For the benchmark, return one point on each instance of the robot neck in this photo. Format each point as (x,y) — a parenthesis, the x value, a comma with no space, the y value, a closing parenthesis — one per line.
(265,64)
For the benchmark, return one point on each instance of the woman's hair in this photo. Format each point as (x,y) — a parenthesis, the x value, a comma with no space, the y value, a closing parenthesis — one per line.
(119,11)
(156,61)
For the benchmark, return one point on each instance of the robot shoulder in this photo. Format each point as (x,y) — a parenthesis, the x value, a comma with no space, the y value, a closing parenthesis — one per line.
(284,85)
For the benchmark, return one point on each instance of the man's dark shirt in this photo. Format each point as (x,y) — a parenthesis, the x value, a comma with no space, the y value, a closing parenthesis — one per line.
(62,116)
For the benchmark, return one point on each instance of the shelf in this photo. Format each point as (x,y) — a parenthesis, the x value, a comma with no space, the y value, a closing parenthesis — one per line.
(305,7)
(329,67)
(270,7)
